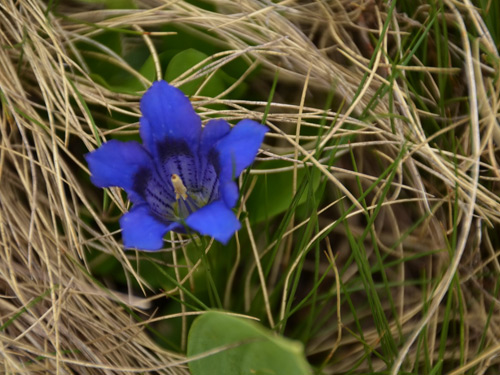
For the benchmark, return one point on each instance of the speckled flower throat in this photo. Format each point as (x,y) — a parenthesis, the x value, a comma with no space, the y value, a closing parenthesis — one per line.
(181,185)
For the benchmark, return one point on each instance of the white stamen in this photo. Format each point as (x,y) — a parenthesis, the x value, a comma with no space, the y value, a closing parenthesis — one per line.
(179,188)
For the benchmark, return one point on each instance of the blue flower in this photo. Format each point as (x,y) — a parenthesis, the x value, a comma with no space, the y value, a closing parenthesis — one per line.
(180,175)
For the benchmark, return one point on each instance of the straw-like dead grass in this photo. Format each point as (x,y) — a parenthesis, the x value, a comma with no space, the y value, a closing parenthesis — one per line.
(55,318)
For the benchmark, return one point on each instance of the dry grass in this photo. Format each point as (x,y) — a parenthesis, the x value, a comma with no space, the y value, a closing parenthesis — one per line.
(55,318)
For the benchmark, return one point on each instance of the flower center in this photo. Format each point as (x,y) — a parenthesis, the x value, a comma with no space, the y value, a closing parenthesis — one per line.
(179,188)
(195,195)
(185,206)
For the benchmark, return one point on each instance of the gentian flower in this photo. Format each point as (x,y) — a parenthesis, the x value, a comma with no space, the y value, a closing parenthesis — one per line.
(182,175)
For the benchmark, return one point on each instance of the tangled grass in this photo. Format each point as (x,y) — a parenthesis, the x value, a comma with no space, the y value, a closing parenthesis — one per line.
(395,110)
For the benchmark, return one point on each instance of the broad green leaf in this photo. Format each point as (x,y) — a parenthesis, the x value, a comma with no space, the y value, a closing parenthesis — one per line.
(272,194)
(148,70)
(250,349)
(100,65)
(185,60)
(114,4)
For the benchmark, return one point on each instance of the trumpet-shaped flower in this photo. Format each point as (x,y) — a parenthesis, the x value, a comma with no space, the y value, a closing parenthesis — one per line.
(181,175)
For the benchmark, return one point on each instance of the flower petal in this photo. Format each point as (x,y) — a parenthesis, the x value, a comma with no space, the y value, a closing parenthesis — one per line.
(212,132)
(116,163)
(168,113)
(229,192)
(208,160)
(216,220)
(142,231)
(238,149)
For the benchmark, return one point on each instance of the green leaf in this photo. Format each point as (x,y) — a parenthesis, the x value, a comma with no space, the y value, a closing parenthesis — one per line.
(114,4)
(132,84)
(251,349)
(184,61)
(99,62)
(272,194)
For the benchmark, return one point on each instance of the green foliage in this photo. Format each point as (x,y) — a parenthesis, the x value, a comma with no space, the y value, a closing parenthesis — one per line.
(272,194)
(213,83)
(246,348)
(113,4)
(186,60)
